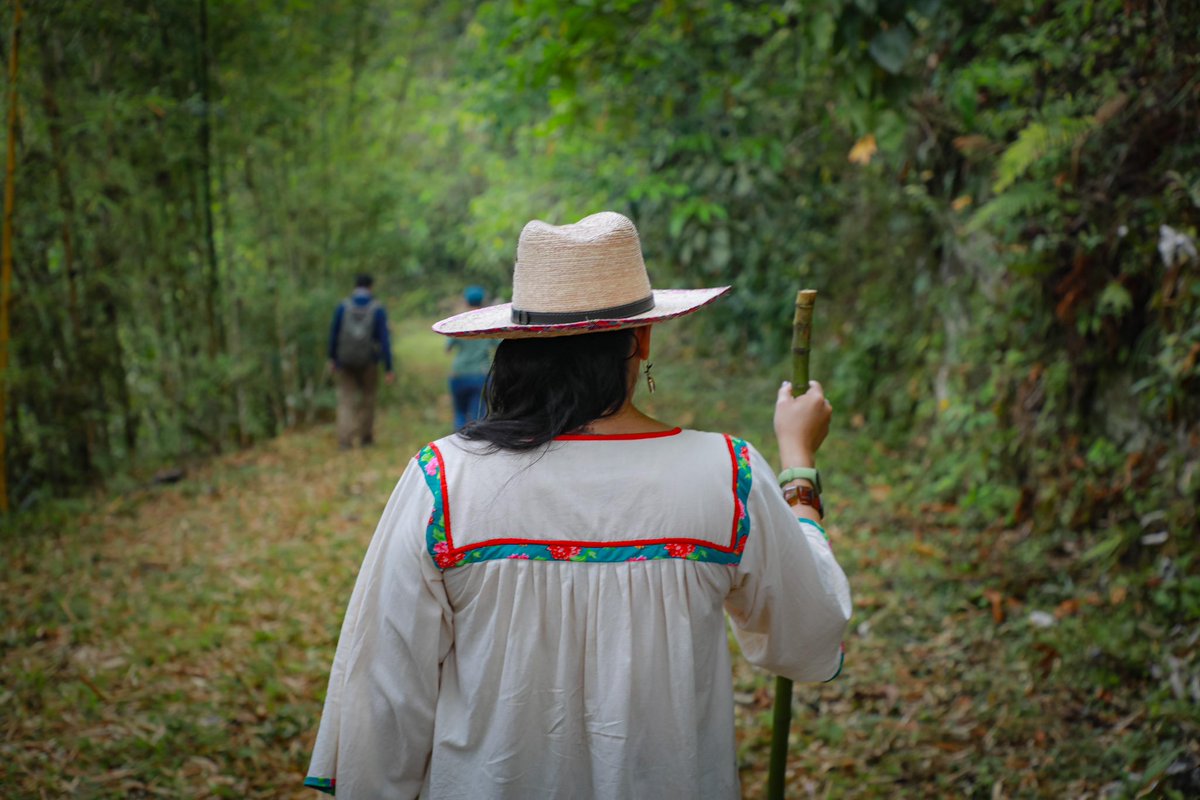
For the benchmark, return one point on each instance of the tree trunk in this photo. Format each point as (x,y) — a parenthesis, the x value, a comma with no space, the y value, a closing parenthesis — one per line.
(6,244)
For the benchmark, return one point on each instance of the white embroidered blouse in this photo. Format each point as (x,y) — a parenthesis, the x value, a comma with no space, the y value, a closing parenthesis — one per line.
(553,624)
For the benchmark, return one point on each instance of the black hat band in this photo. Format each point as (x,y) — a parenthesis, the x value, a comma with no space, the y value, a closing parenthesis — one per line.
(520,317)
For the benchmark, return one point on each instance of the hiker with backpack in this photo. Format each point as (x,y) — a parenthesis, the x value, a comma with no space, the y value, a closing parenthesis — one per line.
(358,341)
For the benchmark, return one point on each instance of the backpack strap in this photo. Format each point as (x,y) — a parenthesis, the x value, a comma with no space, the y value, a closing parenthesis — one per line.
(371,308)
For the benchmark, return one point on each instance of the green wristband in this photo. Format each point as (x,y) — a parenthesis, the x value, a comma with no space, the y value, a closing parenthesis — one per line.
(809,474)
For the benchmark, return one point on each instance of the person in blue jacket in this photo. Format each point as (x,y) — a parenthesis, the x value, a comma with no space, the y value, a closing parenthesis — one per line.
(358,342)
(469,371)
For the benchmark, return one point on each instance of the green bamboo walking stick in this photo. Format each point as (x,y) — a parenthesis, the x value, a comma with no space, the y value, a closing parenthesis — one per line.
(781,723)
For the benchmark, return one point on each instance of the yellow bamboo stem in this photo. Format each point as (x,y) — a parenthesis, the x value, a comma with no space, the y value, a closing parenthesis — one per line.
(806,299)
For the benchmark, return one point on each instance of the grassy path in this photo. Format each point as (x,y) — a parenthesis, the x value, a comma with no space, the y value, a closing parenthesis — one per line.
(175,642)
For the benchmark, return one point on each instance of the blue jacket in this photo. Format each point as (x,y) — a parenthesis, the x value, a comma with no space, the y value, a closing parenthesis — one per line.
(360,298)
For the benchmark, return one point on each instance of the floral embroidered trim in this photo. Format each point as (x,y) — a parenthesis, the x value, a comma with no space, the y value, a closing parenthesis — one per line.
(440,543)
(742,482)
(437,529)
(597,554)
(325,785)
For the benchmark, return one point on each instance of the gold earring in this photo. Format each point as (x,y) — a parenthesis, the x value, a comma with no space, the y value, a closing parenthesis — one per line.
(649,377)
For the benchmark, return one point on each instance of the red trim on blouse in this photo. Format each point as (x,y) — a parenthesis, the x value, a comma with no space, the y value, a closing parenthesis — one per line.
(733,462)
(445,494)
(582,542)
(615,437)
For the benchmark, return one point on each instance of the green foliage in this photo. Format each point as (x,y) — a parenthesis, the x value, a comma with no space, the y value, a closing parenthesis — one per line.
(1037,142)
(1006,211)
(141,331)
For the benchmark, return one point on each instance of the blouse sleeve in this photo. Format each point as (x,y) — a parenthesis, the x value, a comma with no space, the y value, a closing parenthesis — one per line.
(790,601)
(376,732)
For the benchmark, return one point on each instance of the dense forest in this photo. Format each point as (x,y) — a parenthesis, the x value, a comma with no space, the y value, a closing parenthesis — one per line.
(998,201)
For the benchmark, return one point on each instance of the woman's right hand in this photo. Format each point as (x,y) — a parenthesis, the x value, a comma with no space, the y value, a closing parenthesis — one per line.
(801,424)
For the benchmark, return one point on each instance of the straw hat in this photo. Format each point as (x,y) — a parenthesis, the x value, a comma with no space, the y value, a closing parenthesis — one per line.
(578,278)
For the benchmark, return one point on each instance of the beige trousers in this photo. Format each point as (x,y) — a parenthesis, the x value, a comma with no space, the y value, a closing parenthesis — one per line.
(356,404)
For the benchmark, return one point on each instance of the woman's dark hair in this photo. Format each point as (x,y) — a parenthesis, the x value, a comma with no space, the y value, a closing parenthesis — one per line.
(541,388)
(363,281)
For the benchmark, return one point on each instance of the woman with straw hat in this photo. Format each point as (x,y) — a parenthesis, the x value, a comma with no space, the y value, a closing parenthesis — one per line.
(541,612)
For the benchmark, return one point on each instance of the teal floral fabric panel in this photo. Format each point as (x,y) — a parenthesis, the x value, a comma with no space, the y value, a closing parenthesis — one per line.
(325,785)
(437,528)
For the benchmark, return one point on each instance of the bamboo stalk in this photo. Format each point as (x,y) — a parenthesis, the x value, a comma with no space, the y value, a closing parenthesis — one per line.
(6,247)
(781,718)
(801,334)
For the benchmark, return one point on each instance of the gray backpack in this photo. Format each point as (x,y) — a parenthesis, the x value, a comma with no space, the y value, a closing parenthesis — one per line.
(356,346)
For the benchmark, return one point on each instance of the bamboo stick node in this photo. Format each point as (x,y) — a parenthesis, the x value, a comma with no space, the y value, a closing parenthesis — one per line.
(806,300)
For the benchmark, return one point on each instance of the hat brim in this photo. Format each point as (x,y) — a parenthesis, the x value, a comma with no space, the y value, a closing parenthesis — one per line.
(495,322)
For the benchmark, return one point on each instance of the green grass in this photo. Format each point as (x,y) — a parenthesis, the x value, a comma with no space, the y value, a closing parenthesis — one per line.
(176,641)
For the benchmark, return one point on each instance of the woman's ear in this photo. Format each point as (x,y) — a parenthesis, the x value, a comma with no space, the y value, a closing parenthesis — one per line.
(642,342)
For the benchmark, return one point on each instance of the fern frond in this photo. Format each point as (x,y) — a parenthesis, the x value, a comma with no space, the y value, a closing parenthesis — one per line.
(1038,141)
(1017,203)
